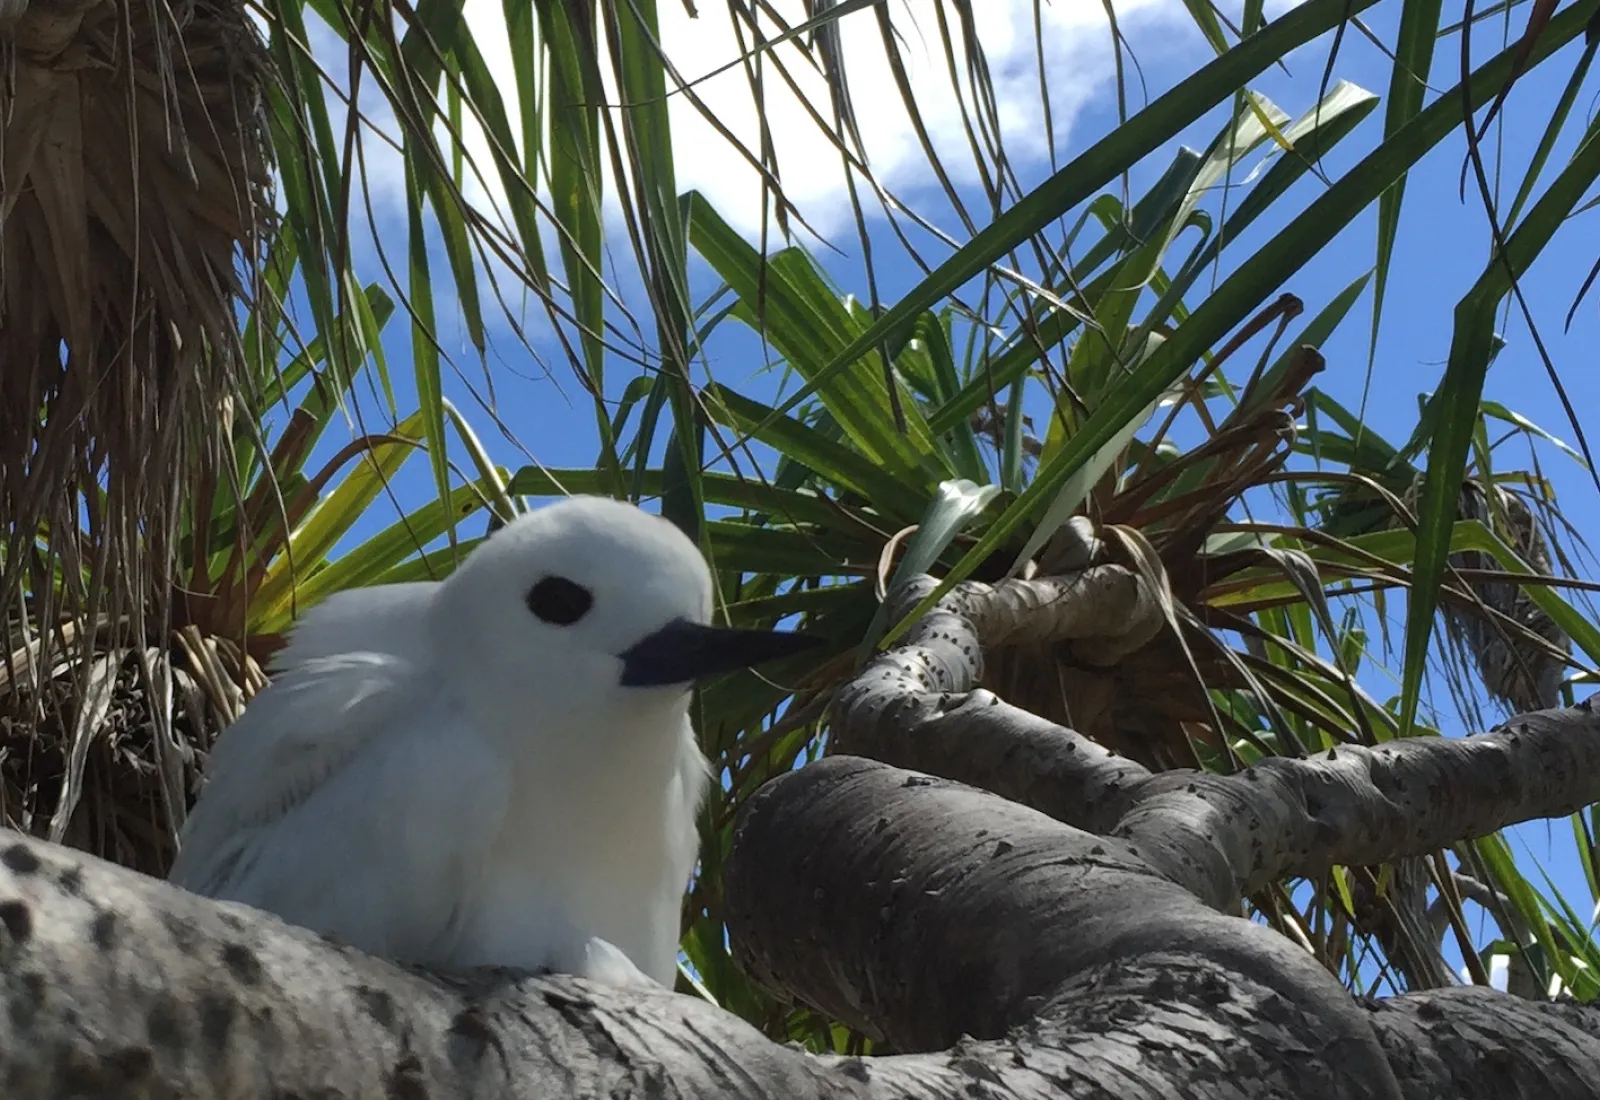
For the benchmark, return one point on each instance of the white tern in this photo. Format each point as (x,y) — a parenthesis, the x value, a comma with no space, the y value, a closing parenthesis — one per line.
(497,769)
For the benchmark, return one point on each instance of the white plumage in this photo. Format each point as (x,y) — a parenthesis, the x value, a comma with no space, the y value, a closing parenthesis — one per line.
(497,769)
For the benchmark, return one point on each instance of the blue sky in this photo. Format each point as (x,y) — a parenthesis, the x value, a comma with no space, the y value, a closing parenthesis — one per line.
(1441,250)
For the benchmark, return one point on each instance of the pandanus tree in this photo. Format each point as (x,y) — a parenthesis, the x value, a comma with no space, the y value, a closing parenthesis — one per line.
(1092,789)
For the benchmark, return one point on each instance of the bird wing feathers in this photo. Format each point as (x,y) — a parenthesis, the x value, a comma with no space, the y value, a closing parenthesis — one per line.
(351,798)
(385,618)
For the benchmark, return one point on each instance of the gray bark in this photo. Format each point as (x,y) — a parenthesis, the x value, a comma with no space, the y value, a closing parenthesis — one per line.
(1220,836)
(1056,934)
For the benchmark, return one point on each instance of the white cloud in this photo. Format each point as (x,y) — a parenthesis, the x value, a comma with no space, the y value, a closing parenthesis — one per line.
(1078,62)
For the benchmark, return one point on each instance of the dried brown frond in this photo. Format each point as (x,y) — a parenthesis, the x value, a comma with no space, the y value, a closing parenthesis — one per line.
(1516,670)
(1152,703)
(133,194)
(133,182)
(104,754)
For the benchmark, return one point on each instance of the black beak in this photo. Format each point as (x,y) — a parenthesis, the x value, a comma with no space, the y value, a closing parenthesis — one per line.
(682,652)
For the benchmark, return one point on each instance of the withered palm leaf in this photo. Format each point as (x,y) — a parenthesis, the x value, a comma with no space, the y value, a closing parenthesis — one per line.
(135,180)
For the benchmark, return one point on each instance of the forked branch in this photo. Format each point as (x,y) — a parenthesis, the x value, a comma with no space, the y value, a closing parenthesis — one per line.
(1219,836)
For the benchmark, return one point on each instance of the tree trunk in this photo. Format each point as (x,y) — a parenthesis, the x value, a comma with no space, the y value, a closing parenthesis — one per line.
(1072,947)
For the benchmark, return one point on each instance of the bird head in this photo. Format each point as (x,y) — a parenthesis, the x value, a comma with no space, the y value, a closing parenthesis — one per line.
(589,610)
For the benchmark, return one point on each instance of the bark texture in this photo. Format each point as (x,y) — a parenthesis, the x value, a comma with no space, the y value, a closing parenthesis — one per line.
(1055,934)
(1219,836)
(114,984)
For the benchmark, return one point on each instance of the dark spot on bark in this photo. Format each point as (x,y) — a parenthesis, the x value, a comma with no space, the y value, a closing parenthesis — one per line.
(104,930)
(19,859)
(242,964)
(163,1024)
(18,920)
(471,1036)
(1163,986)
(1001,847)
(26,1002)
(182,931)
(580,1016)
(81,1074)
(216,1020)
(1427,1010)
(406,1081)
(129,1064)
(72,880)
(856,1069)
(1213,989)
(978,1071)
(378,1003)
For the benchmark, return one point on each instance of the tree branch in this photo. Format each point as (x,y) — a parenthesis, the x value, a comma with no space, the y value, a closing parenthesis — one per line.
(1220,836)
(117,985)
(114,984)
(923,911)
(840,918)
(1227,835)
(913,705)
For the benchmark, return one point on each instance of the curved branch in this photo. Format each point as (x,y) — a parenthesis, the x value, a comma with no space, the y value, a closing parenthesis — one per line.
(115,984)
(1482,1040)
(979,739)
(1107,609)
(829,883)
(917,908)
(1219,836)
(1227,835)
(913,705)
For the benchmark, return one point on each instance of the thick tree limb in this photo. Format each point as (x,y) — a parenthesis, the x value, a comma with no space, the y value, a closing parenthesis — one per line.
(979,739)
(1024,904)
(1009,953)
(113,984)
(1480,1040)
(1221,837)
(118,985)
(913,706)
(1227,835)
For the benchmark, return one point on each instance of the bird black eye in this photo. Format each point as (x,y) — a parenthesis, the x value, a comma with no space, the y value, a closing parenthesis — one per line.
(559,601)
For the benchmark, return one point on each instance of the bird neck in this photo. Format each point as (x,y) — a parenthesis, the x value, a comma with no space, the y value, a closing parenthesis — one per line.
(612,793)
(634,744)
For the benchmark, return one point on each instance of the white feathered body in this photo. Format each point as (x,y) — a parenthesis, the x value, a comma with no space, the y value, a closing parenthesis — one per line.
(369,795)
